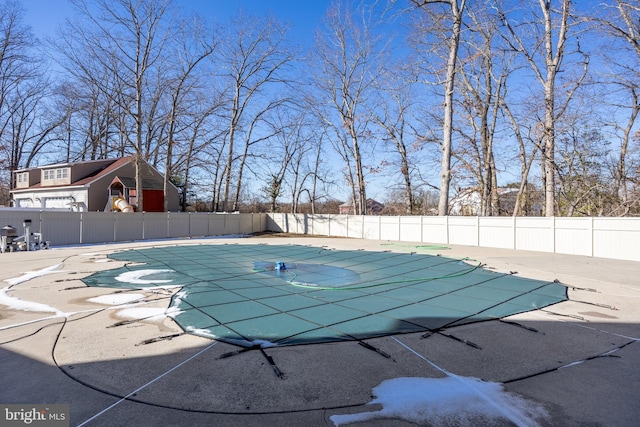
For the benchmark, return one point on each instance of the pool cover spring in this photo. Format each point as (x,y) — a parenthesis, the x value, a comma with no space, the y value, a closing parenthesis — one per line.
(288,295)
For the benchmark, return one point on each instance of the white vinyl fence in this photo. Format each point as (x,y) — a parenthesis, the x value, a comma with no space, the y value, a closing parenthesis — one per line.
(617,238)
(69,228)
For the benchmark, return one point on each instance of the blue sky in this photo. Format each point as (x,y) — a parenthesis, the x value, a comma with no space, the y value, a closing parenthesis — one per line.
(303,16)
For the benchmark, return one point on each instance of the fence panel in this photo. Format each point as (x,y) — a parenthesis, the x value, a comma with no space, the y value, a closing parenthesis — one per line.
(434,229)
(156,225)
(178,225)
(259,222)
(246,223)
(354,226)
(232,224)
(535,234)
(97,227)
(216,224)
(198,224)
(372,228)
(60,227)
(617,238)
(573,236)
(339,225)
(128,226)
(299,223)
(496,232)
(463,230)
(389,228)
(410,229)
(320,225)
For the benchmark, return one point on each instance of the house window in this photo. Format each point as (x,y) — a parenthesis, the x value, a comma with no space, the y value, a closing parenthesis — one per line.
(22,177)
(52,174)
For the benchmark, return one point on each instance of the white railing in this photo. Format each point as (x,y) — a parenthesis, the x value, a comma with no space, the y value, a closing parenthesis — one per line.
(617,238)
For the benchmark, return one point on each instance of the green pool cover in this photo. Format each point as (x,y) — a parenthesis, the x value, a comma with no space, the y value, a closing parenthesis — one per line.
(288,295)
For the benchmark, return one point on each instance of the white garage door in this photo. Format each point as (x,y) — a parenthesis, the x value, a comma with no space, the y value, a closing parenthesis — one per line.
(57,202)
(24,203)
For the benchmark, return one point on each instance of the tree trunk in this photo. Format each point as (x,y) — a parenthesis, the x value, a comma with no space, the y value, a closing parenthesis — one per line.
(447,130)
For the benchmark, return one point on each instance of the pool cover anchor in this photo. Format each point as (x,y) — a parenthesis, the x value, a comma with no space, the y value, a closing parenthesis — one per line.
(520,325)
(161,338)
(277,370)
(236,352)
(376,349)
(462,340)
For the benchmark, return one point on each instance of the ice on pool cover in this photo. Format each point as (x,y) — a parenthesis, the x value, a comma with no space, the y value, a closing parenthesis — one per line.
(289,295)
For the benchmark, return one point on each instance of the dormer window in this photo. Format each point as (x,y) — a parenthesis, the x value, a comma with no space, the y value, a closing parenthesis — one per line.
(58,176)
(22,177)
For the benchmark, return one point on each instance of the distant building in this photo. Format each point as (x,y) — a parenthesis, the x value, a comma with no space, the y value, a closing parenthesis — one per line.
(94,185)
(469,202)
(373,208)
(466,202)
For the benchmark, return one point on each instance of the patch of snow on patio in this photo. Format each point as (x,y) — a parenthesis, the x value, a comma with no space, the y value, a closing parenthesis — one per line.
(149,314)
(26,276)
(116,299)
(18,304)
(136,277)
(453,400)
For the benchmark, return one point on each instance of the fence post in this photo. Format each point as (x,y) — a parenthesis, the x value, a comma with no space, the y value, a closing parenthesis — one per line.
(81,227)
(592,233)
(446,224)
(553,224)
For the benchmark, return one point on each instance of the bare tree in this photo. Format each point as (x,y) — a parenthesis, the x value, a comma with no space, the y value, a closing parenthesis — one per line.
(193,48)
(622,22)
(393,115)
(252,58)
(127,38)
(525,137)
(456,10)
(348,61)
(22,89)
(482,86)
(198,133)
(553,43)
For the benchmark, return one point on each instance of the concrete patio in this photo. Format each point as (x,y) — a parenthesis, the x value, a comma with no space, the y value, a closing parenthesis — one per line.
(578,360)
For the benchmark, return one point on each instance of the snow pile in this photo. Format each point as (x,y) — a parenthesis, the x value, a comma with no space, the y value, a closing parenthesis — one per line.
(18,304)
(33,274)
(136,277)
(453,400)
